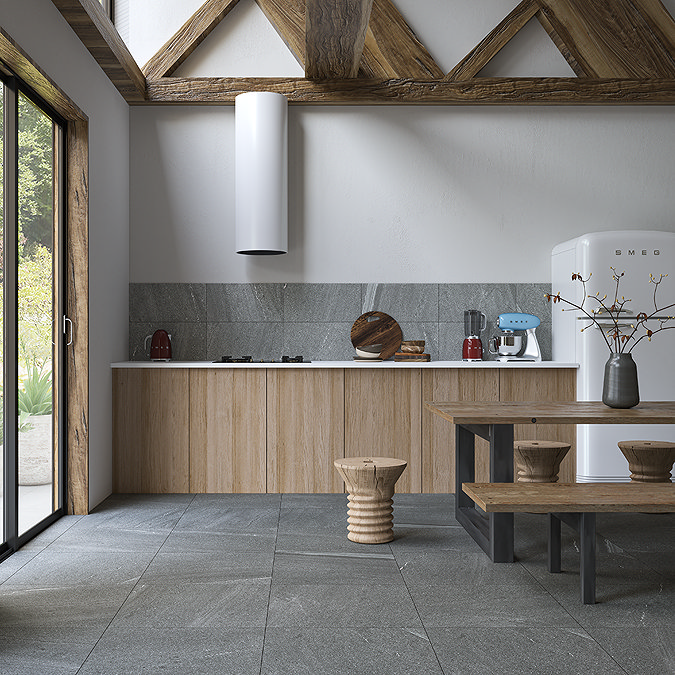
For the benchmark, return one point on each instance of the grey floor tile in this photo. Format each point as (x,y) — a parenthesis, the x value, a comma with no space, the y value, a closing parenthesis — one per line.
(337,544)
(508,604)
(228,517)
(332,568)
(346,651)
(51,534)
(336,500)
(129,651)
(421,537)
(188,556)
(319,521)
(648,651)
(351,605)
(15,562)
(59,607)
(148,513)
(228,604)
(56,650)
(540,651)
(109,539)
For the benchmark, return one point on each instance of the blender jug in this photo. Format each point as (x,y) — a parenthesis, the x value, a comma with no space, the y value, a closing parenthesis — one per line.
(474,323)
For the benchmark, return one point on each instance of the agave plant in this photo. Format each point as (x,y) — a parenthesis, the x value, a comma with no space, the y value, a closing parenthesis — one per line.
(35,397)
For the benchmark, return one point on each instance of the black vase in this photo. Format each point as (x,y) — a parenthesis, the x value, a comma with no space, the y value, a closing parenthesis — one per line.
(620,386)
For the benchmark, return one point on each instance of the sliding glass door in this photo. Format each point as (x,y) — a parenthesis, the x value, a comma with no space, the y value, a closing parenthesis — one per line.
(32,327)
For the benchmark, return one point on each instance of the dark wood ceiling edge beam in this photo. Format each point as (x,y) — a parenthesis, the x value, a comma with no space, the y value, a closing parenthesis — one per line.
(577,68)
(288,20)
(393,50)
(22,65)
(187,38)
(492,43)
(97,33)
(660,22)
(478,91)
(334,37)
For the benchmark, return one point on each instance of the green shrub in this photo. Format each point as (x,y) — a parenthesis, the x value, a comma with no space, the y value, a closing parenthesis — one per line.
(35,397)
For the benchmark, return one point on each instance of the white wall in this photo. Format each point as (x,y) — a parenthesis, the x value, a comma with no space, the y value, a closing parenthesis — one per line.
(41,31)
(395,194)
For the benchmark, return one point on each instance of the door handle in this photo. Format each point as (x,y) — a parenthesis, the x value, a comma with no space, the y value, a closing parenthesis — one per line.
(66,321)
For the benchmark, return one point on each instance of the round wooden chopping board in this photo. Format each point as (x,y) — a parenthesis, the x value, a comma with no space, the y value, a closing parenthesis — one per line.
(377,328)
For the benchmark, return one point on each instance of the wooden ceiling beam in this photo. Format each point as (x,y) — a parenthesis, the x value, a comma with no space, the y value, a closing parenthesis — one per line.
(335,32)
(190,35)
(615,38)
(99,36)
(478,91)
(392,49)
(484,52)
(288,19)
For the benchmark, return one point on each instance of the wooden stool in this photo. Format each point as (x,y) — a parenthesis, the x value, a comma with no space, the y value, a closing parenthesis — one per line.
(649,461)
(370,482)
(539,461)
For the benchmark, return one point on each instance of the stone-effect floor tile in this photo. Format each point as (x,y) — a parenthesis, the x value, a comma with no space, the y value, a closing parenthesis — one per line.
(53,650)
(129,651)
(649,651)
(346,651)
(540,651)
(363,605)
(228,604)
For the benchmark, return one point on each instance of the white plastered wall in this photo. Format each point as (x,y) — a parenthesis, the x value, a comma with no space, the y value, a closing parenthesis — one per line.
(40,30)
(392,194)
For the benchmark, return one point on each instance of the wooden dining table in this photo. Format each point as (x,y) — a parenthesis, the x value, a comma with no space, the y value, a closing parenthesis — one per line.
(494,422)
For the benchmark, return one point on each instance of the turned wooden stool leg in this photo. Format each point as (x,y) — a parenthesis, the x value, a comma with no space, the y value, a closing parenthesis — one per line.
(370,482)
(539,461)
(649,461)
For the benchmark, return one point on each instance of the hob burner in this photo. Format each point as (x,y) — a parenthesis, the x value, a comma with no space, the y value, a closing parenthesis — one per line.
(250,359)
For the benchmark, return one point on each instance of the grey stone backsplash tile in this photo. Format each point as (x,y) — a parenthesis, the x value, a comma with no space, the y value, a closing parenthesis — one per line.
(188,340)
(208,321)
(318,341)
(403,302)
(322,302)
(244,302)
(167,302)
(260,340)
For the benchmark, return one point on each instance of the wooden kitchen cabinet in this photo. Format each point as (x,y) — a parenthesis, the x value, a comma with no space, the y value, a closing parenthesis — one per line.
(438,436)
(151,431)
(383,418)
(227,430)
(305,429)
(281,429)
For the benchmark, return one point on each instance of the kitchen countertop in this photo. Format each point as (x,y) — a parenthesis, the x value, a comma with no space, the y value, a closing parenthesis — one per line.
(348,364)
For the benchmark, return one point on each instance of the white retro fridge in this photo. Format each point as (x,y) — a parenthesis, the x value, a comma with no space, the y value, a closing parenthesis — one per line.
(638,254)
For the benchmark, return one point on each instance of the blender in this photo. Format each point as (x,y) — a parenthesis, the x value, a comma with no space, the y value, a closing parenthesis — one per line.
(474,323)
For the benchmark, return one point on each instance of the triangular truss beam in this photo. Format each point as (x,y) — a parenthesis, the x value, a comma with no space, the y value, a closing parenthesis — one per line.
(363,52)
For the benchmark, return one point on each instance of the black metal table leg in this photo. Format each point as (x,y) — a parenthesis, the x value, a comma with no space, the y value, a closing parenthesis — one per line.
(587,537)
(554,544)
(494,533)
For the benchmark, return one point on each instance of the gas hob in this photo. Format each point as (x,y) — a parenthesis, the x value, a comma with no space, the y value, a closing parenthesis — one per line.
(250,359)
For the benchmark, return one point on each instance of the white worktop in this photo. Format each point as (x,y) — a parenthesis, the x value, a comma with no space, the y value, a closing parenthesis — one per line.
(348,364)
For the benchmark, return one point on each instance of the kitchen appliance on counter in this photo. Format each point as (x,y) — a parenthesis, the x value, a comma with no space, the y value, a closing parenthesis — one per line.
(509,345)
(160,346)
(637,253)
(250,359)
(474,324)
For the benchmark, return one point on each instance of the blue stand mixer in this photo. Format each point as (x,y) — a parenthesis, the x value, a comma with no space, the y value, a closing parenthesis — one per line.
(509,345)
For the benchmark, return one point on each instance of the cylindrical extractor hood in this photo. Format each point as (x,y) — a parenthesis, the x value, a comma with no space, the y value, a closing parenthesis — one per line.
(261,173)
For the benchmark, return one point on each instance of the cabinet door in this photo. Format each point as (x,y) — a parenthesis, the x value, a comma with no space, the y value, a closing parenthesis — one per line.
(383,412)
(150,430)
(305,429)
(543,384)
(227,430)
(438,435)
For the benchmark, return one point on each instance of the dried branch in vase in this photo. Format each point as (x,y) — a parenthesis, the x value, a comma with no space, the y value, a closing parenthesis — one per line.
(620,337)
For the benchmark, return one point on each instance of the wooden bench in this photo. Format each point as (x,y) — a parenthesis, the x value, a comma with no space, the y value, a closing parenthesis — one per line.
(575,504)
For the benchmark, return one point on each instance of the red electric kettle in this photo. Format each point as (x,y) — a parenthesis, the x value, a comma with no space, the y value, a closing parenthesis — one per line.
(160,347)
